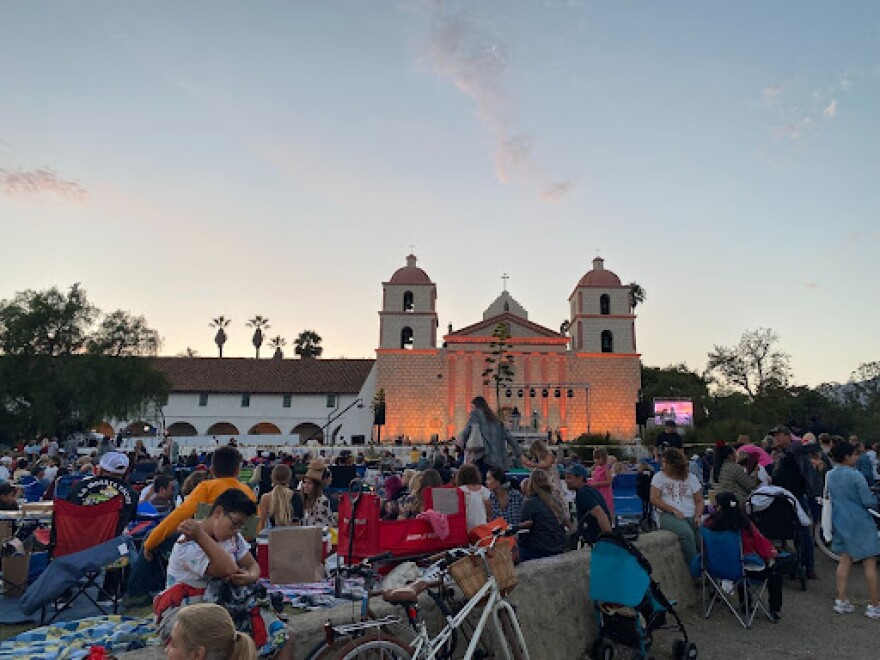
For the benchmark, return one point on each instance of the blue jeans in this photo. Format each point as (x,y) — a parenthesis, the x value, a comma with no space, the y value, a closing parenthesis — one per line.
(146,575)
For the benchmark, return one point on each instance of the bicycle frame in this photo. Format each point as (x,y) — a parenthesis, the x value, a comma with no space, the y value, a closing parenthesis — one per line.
(426,648)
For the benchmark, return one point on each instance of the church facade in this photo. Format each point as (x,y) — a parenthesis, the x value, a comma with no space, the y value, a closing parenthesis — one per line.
(583,380)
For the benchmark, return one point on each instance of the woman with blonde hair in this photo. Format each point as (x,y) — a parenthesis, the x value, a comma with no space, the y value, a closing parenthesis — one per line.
(544,460)
(414,503)
(281,506)
(543,515)
(205,632)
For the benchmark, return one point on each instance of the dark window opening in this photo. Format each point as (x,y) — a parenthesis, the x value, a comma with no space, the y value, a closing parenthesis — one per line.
(286,401)
(607,342)
(245,400)
(203,400)
(408,302)
(605,304)
(331,400)
(406,338)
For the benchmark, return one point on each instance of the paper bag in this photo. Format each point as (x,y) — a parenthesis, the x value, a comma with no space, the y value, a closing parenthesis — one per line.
(295,555)
(15,575)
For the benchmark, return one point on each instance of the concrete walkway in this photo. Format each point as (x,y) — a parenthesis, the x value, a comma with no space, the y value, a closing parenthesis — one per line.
(809,627)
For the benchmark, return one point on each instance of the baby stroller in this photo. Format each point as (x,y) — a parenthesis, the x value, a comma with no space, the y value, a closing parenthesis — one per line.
(629,605)
(775,514)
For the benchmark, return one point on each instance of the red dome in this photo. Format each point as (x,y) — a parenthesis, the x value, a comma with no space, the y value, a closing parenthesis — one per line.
(599,276)
(410,274)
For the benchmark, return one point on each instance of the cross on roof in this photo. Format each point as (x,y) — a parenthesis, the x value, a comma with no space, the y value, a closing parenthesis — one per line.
(504,279)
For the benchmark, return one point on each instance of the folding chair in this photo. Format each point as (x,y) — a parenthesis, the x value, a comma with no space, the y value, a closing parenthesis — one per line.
(77,528)
(726,573)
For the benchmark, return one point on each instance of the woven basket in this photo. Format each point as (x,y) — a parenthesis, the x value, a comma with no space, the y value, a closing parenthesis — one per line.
(470,572)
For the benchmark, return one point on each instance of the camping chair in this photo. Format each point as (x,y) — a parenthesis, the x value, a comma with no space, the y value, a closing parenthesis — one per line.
(725,573)
(76,530)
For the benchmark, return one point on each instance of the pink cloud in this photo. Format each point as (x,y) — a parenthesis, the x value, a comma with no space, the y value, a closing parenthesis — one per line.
(19,183)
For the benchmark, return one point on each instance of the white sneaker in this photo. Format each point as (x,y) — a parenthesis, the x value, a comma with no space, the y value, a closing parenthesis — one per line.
(872,611)
(844,607)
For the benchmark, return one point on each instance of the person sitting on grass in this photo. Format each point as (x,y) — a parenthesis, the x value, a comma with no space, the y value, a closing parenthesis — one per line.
(211,562)
(145,571)
(205,632)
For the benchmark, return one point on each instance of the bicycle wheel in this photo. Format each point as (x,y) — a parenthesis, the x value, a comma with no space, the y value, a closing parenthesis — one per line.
(509,628)
(823,546)
(375,647)
(324,651)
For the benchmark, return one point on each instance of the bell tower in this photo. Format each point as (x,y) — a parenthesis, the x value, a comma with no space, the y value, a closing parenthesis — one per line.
(408,319)
(602,319)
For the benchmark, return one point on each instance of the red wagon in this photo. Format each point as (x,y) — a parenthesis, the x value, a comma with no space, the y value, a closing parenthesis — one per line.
(402,538)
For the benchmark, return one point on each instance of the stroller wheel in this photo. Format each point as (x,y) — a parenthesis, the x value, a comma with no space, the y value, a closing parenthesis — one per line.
(602,649)
(682,650)
(690,651)
(678,649)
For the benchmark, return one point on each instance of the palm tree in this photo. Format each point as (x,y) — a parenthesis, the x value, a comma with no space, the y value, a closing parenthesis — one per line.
(220,338)
(308,344)
(637,294)
(278,343)
(258,323)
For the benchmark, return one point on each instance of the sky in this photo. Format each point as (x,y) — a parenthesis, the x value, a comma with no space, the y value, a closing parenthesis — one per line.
(184,160)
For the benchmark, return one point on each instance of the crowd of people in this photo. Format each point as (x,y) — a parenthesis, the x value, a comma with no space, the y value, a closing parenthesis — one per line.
(198,552)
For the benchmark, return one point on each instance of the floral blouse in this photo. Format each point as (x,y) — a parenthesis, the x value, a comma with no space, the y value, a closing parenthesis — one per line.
(319,515)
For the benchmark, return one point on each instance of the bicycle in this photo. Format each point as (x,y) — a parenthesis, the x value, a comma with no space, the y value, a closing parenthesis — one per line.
(373,640)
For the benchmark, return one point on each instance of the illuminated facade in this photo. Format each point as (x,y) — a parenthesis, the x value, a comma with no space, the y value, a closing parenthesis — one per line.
(585,380)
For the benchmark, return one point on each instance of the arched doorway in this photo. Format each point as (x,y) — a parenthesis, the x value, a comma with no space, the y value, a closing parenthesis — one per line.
(222,428)
(264,428)
(105,429)
(139,430)
(181,430)
(308,431)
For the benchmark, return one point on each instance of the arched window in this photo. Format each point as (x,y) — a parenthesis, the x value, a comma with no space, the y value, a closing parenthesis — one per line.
(506,306)
(406,338)
(408,304)
(605,304)
(607,341)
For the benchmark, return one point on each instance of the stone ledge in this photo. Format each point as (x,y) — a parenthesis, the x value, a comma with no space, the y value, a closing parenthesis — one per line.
(551,599)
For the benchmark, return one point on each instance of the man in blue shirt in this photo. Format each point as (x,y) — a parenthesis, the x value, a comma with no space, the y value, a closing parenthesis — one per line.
(592,511)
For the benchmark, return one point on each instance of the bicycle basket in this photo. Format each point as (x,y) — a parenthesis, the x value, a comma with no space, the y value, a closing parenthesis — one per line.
(470,572)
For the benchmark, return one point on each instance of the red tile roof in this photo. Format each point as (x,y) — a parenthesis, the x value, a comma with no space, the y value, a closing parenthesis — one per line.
(246,375)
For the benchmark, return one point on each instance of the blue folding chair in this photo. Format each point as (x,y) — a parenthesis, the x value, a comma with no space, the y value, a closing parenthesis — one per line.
(726,574)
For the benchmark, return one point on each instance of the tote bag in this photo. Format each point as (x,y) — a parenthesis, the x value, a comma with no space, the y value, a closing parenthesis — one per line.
(475,441)
(826,514)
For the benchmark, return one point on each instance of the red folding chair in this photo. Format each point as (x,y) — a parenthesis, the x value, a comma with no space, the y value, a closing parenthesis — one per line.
(78,527)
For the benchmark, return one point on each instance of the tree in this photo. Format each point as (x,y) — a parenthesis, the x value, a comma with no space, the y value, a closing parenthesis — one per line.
(46,322)
(220,338)
(121,333)
(258,323)
(278,343)
(308,344)
(637,294)
(499,362)
(51,384)
(754,366)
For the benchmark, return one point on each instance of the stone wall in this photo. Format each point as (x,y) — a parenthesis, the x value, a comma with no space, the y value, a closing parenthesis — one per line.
(551,600)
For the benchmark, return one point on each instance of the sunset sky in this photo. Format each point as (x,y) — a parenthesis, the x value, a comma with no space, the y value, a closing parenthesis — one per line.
(184,160)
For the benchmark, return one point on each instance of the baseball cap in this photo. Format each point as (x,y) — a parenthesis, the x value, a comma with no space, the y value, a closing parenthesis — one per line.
(115,462)
(578,470)
(779,428)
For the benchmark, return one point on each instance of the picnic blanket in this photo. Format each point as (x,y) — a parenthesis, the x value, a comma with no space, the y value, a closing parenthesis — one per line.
(71,640)
(316,595)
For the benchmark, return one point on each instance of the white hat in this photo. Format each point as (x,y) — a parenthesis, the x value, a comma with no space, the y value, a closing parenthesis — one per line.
(115,462)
